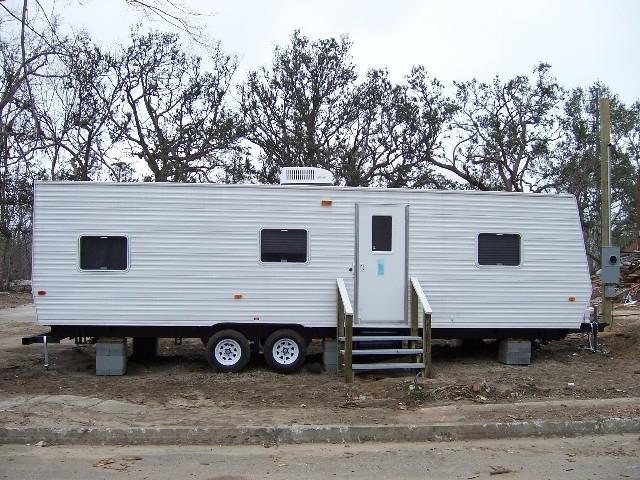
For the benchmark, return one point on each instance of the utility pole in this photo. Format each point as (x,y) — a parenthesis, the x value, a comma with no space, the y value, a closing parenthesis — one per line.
(605,213)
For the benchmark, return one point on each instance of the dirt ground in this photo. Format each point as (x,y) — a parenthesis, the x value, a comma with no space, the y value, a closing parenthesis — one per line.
(11,299)
(181,379)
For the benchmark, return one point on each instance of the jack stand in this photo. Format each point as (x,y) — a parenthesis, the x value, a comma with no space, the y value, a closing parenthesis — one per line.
(593,336)
(46,352)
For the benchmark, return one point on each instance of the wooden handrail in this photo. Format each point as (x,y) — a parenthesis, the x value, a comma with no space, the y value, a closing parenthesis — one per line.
(418,296)
(345,331)
(344,296)
(421,296)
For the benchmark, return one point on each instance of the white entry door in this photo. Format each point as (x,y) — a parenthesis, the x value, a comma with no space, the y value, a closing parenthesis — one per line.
(381,266)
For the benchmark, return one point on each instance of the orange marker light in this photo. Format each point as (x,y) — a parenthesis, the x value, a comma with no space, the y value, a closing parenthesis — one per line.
(237,296)
(326,203)
(572,298)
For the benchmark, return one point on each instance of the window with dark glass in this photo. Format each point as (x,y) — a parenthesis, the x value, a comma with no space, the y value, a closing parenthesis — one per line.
(381,230)
(499,249)
(280,245)
(103,253)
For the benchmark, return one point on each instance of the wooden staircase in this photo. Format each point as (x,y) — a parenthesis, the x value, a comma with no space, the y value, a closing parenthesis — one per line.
(416,346)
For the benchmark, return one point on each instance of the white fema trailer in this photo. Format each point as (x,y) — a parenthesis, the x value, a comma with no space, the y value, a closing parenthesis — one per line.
(255,268)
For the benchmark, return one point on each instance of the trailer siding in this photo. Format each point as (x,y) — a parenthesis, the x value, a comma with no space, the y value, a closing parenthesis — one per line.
(192,248)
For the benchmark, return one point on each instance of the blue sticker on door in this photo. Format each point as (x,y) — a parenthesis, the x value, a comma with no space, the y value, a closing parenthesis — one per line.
(380,267)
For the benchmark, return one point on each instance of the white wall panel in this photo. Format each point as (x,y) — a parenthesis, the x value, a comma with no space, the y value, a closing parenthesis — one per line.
(192,247)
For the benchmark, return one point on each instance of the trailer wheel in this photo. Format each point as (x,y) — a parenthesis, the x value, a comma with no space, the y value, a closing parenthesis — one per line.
(285,351)
(228,351)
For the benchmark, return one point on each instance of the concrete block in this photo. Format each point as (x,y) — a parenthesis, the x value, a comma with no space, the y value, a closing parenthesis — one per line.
(110,365)
(111,346)
(514,352)
(329,355)
(111,356)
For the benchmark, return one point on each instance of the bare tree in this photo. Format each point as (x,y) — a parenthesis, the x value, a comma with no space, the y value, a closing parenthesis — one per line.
(578,171)
(75,108)
(309,109)
(298,111)
(176,116)
(427,116)
(173,13)
(504,133)
(392,134)
(25,51)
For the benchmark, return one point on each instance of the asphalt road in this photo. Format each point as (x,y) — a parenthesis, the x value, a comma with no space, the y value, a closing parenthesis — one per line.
(596,457)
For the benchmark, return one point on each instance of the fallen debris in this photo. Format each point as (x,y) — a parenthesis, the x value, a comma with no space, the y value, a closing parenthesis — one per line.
(110,463)
(499,470)
(103,462)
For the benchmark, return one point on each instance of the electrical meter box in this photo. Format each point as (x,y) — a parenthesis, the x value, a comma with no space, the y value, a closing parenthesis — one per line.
(610,265)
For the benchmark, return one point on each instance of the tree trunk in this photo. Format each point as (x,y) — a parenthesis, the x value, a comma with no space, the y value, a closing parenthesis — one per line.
(636,230)
(4,271)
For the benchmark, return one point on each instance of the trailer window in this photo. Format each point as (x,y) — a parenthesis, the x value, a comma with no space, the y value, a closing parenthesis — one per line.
(283,245)
(381,232)
(499,249)
(103,253)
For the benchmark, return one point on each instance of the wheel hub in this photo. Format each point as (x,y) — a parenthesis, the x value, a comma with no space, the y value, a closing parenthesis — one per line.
(286,351)
(228,352)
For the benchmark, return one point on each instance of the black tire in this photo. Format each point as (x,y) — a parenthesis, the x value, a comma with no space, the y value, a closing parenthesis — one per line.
(285,351)
(229,344)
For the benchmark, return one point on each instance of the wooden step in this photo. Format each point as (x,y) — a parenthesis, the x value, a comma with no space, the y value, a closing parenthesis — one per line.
(386,351)
(381,338)
(387,366)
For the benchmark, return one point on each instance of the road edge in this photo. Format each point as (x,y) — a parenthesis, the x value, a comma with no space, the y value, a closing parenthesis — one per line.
(296,434)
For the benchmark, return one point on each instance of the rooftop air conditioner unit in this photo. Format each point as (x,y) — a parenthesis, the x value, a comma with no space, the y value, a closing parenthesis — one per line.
(305,176)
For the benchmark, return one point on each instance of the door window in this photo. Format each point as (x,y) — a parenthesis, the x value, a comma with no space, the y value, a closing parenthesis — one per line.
(381,233)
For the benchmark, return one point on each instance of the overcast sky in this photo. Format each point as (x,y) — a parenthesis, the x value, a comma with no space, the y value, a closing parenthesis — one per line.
(584,41)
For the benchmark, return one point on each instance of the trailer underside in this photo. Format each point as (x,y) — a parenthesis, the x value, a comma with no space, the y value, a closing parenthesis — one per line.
(260,331)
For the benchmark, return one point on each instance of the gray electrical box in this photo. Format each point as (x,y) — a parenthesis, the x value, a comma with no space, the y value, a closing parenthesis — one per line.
(610,272)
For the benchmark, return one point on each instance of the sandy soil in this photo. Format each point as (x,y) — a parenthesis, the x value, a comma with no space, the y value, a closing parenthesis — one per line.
(181,381)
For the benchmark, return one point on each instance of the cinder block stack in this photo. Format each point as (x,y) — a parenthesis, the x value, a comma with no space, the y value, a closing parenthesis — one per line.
(514,352)
(111,356)
(329,355)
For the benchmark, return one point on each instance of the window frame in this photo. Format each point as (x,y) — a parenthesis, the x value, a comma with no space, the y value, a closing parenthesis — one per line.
(97,270)
(521,249)
(259,253)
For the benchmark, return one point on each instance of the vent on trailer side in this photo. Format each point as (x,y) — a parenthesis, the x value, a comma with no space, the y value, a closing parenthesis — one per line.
(305,176)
